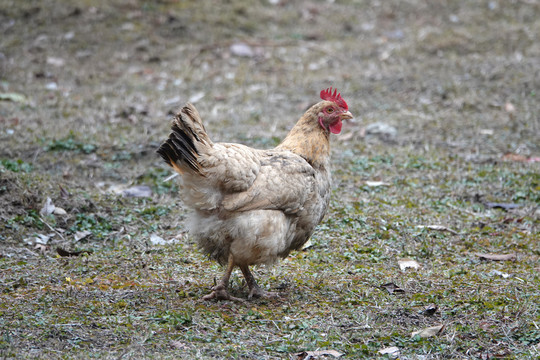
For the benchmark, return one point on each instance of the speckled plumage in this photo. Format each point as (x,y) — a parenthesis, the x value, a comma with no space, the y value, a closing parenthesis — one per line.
(251,206)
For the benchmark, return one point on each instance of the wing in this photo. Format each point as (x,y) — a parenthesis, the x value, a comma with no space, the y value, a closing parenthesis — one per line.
(285,182)
(230,167)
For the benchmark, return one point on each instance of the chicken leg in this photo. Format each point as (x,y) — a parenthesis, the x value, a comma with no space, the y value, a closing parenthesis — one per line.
(254,289)
(219,292)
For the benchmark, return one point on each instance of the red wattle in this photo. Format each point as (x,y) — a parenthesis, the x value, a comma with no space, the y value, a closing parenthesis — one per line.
(335,128)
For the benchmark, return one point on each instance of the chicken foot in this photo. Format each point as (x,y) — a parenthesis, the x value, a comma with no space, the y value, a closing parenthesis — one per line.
(254,288)
(219,292)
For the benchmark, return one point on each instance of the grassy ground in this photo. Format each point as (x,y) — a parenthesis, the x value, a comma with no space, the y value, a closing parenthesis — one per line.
(86,93)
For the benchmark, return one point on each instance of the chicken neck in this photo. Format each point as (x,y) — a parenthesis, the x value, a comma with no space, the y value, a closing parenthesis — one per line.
(308,140)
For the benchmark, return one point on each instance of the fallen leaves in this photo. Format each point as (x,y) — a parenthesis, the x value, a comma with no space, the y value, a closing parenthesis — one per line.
(381,130)
(41,248)
(307,355)
(392,288)
(509,107)
(392,351)
(137,191)
(376,183)
(520,158)
(429,331)
(408,263)
(179,345)
(128,191)
(158,240)
(497,257)
(79,235)
(430,310)
(13,97)
(49,208)
(241,50)
(56,61)
(66,253)
(504,206)
(499,273)
(39,239)
(438,228)
(307,245)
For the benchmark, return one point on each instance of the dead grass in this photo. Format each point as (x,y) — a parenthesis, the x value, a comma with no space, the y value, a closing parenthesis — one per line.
(459,82)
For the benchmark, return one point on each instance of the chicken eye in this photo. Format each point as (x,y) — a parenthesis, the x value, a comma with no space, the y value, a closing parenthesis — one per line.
(330,110)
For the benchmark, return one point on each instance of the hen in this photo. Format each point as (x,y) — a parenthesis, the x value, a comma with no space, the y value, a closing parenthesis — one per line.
(254,206)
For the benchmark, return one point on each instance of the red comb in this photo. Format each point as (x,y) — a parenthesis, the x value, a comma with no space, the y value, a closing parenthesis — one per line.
(335,97)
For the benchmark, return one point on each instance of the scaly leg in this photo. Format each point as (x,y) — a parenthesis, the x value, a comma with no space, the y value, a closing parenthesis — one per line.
(219,292)
(254,289)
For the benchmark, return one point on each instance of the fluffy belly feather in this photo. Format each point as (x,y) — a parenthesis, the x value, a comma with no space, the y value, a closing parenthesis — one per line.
(253,237)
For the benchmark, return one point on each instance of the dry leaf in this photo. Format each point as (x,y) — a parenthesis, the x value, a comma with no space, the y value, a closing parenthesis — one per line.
(504,206)
(54,61)
(307,355)
(196,97)
(65,253)
(520,158)
(63,192)
(59,211)
(308,244)
(408,263)
(499,273)
(429,331)
(47,208)
(14,97)
(41,248)
(430,310)
(486,131)
(179,345)
(392,351)
(392,288)
(158,240)
(438,228)
(241,50)
(43,239)
(514,157)
(497,257)
(172,101)
(137,191)
(79,235)
(38,239)
(509,107)
(376,183)
(382,130)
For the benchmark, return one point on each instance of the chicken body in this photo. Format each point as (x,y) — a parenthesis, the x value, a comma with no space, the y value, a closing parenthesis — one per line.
(253,206)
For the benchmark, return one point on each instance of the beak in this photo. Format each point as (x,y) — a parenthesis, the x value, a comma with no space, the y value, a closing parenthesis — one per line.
(346,115)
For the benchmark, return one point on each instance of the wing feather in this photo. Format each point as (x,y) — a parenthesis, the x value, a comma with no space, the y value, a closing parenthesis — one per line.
(285,182)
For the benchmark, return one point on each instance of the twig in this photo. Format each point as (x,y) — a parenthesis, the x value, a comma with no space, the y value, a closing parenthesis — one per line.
(464,210)
(53,229)
(168,178)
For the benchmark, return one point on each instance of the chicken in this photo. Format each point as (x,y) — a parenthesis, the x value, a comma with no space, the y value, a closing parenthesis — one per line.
(253,206)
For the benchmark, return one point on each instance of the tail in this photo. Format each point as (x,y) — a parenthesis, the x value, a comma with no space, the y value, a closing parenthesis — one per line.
(186,141)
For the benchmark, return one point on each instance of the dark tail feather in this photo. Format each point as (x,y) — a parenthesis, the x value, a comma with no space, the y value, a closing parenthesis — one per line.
(180,149)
